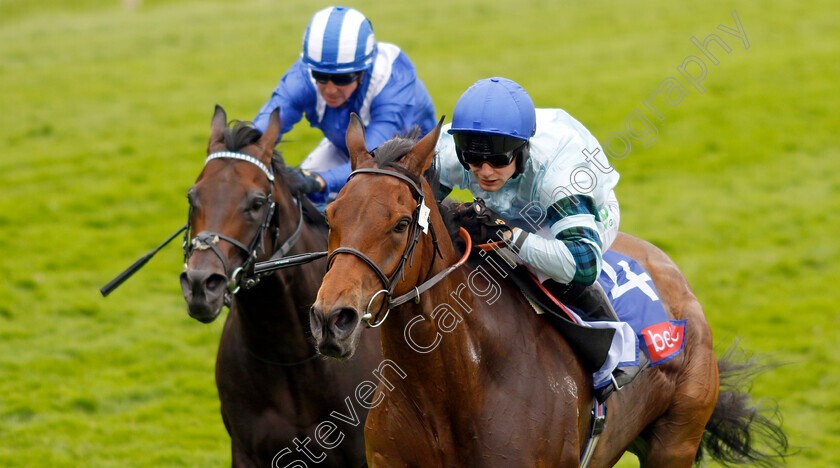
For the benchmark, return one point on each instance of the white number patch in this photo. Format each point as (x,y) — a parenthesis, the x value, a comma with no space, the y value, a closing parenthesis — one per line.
(633,281)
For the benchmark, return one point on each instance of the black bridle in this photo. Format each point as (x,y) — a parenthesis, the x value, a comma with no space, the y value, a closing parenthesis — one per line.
(419,223)
(248,274)
(243,276)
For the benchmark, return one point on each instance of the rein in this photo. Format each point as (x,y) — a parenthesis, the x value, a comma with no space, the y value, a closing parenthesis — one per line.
(419,222)
(208,240)
(247,275)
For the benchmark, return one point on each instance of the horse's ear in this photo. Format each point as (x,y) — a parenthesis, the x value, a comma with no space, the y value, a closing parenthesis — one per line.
(218,125)
(420,157)
(356,145)
(269,138)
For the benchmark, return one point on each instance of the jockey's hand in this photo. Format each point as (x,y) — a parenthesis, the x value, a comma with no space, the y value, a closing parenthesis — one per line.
(303,181)
(483,225)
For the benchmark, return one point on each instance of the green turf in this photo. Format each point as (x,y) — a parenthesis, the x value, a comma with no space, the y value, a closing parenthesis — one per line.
(105,113)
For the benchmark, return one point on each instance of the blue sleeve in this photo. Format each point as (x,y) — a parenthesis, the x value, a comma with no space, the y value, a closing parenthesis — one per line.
(336,177)
(392,112)
(293,94)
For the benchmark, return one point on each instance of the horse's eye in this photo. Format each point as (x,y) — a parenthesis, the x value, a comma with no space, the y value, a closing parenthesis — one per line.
(257,204)
(402,225)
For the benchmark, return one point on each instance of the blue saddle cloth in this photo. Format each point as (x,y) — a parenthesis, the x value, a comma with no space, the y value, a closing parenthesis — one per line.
(636,301)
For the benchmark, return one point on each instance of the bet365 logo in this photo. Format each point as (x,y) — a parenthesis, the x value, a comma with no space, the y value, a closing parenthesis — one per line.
(664,339)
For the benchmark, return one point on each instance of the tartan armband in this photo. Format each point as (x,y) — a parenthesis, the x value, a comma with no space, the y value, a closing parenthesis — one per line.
(573,205)
(581,242)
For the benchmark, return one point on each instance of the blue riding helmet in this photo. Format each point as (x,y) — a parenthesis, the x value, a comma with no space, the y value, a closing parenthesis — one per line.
(499,117)
(338,40)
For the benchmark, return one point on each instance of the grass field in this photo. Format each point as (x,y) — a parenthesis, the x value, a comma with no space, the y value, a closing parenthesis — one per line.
(104,118)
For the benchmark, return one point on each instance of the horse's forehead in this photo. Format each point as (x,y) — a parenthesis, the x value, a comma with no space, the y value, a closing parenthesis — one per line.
(224,177)
(233,170)
(381,191)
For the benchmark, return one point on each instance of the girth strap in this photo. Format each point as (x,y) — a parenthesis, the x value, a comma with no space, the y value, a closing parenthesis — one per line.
(599,423)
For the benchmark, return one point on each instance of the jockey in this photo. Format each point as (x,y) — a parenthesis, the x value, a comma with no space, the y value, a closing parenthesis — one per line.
(342,70)
(546,183)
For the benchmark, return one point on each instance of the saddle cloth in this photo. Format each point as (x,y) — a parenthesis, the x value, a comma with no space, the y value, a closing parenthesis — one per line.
(636,301)
(605,346)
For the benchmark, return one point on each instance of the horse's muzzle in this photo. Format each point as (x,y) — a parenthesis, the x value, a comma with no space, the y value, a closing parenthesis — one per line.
(334,331)
(204,291)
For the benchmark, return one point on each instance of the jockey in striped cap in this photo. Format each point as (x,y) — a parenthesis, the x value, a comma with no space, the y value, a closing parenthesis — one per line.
(338,40)
(343,70)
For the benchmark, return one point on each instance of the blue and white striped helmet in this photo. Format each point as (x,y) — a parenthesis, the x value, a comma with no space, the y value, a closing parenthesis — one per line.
(338,40)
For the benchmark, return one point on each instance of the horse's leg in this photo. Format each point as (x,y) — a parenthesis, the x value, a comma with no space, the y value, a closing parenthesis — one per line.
(674,437)
(239,459)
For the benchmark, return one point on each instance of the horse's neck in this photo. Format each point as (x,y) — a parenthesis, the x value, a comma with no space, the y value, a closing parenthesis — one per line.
(415,329)
(445,339)
(272,317)
(449,337)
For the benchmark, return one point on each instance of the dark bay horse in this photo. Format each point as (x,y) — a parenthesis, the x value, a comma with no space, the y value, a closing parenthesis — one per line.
(477,379)
(276,394)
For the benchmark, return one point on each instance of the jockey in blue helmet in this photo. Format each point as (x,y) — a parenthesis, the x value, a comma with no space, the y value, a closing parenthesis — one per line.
(342,70)
(544,179)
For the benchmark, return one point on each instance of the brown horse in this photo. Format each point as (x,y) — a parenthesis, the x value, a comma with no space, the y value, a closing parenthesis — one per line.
(276,394)
(475,378)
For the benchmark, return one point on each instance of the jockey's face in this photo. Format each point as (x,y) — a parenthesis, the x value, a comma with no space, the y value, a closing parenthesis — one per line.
(492,178)
(336,95)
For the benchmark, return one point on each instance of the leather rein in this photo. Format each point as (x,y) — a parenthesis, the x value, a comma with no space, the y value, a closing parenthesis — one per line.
(419,223)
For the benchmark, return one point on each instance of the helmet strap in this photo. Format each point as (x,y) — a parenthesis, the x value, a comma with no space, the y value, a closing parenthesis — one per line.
(522,159)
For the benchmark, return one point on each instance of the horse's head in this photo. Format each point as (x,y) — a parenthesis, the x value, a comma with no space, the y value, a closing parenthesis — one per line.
(231,205)
(375,226)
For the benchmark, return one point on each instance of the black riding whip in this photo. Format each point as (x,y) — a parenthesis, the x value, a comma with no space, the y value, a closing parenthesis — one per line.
(114,283)
(287,262)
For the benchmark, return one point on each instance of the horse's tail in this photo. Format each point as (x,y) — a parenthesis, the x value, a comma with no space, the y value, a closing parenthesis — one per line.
(737,426)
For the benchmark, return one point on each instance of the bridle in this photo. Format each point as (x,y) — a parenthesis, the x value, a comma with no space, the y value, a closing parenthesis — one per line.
(249,272)
(243,276)
(419,223)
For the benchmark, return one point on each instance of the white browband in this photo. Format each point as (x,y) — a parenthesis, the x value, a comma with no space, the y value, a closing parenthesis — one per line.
(241,157)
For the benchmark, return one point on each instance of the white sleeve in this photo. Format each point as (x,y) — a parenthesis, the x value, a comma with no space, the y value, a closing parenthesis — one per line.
(451,171)
(550,257)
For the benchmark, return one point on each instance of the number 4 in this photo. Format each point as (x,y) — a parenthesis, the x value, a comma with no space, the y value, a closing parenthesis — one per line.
(633,281)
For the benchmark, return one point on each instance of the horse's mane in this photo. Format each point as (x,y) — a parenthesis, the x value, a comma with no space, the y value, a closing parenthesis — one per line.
(240,134)
(394,149)
(390,153)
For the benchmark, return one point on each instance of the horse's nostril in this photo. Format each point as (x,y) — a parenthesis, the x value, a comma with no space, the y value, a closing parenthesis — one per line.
(215,282)
(185,286)
(345,319)
(316,322)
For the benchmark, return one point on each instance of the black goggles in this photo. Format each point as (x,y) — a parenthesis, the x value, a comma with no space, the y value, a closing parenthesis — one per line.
(343,79)
(496,150)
